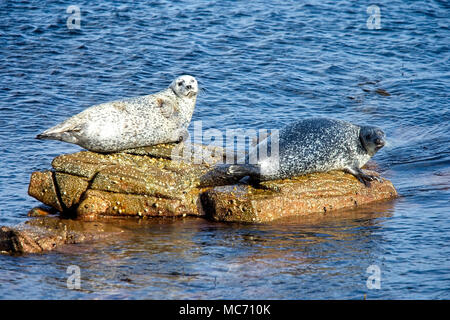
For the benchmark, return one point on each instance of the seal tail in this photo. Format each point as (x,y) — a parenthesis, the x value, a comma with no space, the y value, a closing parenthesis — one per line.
(243,170)
(43,136)
(50,136)
(61,133)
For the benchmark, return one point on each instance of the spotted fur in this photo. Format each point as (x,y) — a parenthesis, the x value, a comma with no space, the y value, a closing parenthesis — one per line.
(135,122)
(316,145)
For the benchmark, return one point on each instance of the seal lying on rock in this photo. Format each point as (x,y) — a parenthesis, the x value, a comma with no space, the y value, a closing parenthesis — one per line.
(162,117)
(315,145)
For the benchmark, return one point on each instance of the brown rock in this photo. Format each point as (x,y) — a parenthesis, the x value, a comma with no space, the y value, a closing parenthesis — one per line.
(316,193)
(136,183)
(71,188)
(42,187)
(151,181)
(38,212)
(194,153)
(102,204)
(83,164)
(145,185)
(48,233)
(14,241)
(147,182)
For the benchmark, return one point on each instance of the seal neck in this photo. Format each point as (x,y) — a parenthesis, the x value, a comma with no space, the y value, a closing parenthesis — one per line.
(361,141)
(174,92)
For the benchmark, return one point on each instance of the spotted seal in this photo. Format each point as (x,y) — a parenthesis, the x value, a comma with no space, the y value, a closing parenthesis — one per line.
(148,120)
(315,145)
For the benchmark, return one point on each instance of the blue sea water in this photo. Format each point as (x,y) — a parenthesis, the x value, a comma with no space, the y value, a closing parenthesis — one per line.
(262,64)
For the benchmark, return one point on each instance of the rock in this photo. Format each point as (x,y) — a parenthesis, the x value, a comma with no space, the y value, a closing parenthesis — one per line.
(42,187)
(154,182)
(71,188)
(15,242)
(158,181)
(139,182)
(38,212)
(101,204)
(48,233)
(317,193)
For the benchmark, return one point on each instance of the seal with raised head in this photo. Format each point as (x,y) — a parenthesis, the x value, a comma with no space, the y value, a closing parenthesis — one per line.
(315,145)
(148,120)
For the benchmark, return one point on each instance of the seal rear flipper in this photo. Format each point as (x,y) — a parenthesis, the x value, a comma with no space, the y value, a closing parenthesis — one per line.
(243,170)
(68,135)
(42,136)
(49,136)
(237,171)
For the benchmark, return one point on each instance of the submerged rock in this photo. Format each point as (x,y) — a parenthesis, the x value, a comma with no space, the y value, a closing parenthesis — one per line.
(151,182)
(48,233)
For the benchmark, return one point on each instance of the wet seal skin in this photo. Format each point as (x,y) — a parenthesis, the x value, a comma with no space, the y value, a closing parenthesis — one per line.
(316,145)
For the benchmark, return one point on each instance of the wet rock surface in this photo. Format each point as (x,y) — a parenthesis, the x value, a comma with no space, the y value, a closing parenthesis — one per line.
(318,193)
(140,182)
(47,233)
(88,188)
(164,181)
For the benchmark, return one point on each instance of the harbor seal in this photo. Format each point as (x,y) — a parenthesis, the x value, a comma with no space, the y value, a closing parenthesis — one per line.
(148,120)
(316,145)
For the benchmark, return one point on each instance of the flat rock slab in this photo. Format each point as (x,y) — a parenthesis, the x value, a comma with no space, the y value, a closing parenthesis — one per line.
(313,194)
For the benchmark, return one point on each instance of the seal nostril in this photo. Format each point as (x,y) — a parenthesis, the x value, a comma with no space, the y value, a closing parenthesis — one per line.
(189,87)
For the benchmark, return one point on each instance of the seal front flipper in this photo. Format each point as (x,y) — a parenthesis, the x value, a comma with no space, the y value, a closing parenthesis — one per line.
(167,108)
(362,177)
(180,135)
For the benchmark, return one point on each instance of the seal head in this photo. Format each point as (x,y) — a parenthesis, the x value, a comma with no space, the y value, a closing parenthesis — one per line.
(185,86)
(372,139)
